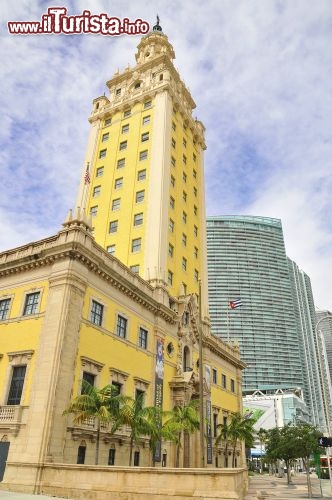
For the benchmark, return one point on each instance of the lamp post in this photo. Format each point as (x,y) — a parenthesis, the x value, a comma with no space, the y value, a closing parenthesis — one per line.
(320,340)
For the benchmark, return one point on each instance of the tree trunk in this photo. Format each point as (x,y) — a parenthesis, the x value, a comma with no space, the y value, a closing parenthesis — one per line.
(97,442)
(131,451)
(289,479)
(306,465)
(234,451)
(178,446)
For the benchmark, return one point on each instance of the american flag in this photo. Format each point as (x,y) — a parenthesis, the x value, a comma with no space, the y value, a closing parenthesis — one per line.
(233,304)
(87,178)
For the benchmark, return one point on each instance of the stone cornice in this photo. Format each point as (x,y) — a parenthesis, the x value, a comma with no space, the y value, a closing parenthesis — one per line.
(223,350)
(75,243)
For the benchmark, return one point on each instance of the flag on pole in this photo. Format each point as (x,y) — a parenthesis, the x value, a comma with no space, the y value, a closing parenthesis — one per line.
(87,178)
(233,304)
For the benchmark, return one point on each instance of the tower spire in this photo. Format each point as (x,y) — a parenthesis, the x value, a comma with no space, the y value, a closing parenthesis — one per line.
(157,26)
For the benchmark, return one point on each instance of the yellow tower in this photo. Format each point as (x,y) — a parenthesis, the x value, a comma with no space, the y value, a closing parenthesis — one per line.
(143,178)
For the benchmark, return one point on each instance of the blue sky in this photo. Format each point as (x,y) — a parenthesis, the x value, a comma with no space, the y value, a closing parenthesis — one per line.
(260,73)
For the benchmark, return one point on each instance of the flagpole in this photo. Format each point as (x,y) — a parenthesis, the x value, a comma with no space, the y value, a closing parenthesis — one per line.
(227,313)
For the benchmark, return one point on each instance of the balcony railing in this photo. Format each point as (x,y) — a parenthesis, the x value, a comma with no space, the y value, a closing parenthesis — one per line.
(12,417)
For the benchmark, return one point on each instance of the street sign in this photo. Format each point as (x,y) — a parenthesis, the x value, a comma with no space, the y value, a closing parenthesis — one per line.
(325,441)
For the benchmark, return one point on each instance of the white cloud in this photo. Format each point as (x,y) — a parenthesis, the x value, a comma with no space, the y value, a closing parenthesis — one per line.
(260,74)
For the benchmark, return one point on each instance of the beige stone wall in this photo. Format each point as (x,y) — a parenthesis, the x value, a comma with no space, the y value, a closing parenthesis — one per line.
(124,483)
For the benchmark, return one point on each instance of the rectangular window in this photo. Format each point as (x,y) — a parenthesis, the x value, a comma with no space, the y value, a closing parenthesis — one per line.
(173,161)
(118,183)
(96,314)
(136,245)
(143,155)
(195,230)
(184,288)
(171,202)
(105,137)
(223,381)
(141,175)
(127,113)
(125,128)
(184,196)
(16,385)
(194,157)
(184,177)
(145,137)
(194,174)
(184,264)
(113,226)
(135,268)
(81,454)
(90,379)
(31,303)
(140,196)
(4,308)
(111,249)
(172,181)
(214,375)
(195,191)
(184,142)
(171,225)
(143,338)
(96,191)
(184,159)
(94,211)
(121,327)
(121,163)
(118,92)
(116,204)
(184,239)
(196,252)
(100,172)
(147,104)
(173,126)
(232,385)
(196,275)
(102,153)
(136,458)
(170,250)
(170,278)
(173,143)
(111,456)
(108,121)
(184,217)
(123,145)
(195,210)
(138,219)
(146,120)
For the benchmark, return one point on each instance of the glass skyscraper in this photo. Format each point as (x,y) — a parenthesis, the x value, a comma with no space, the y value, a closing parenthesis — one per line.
(274,326)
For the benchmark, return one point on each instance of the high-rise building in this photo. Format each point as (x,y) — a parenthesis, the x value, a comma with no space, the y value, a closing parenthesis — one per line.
(145,165)
(323,331)
(274,325)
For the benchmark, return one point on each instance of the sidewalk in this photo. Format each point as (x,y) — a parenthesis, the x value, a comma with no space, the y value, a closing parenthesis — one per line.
(275,488)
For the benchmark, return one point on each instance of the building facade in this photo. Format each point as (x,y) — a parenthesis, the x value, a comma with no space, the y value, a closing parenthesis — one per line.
(323,330)
(120,306)
(146,167)
(274,325)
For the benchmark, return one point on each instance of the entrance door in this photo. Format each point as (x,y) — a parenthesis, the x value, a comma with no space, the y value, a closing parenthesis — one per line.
(4,447)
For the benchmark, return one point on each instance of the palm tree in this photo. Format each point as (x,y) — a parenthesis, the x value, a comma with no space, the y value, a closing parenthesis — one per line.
(100,404)
(183,418)
(142,420)
(238,429)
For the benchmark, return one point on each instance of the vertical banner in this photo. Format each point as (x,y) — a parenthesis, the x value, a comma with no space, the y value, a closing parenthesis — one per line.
(159,386)
(208,416)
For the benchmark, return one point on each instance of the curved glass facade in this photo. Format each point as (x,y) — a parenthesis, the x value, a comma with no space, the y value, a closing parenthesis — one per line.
(247,261)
